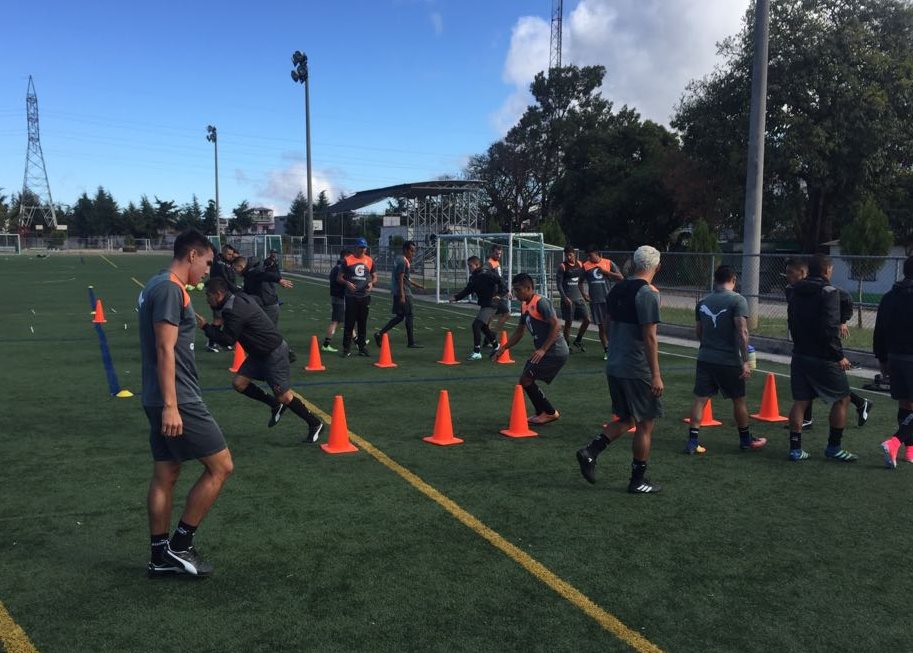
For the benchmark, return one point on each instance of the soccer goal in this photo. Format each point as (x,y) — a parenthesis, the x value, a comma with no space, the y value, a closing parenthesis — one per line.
(521,252)
(10,244)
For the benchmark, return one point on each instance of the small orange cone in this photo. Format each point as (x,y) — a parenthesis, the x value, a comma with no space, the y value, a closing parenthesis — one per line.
(339,430)
(770,409)
(449,357)
(443,424)
(238,360)
(519,427)
(706,418)
(314,362)
(385,359)
(616,418)
(99,313)
(504,357)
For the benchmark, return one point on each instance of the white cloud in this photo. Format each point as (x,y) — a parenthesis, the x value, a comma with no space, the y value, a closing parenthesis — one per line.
(280,186)
(651,50)
(437,22)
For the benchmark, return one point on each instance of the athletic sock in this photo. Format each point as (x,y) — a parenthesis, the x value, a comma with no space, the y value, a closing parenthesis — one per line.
(540,403)
(834,437)
(410,330)
(858,401)
(808,413)
(255,392)
(744,434)
(183,536)
(795,440)
(158,543)
(694,434)
(905,426)
(598,445)
(902,414)
(578,338)
(297,406)
(327,341)
(638,470)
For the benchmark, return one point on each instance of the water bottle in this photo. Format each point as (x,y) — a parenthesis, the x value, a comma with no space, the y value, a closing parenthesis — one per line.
(752,358)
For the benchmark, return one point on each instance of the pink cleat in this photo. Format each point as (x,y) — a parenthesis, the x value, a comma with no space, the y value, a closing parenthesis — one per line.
(890,447)
(544,418)
(908,454)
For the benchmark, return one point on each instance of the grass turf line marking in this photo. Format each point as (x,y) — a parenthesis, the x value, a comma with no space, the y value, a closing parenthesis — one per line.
(561,587)
(138,282)
(12,636)
(110,262)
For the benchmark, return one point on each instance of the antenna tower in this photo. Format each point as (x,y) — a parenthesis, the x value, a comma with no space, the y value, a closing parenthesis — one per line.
(554,59)
(36,191)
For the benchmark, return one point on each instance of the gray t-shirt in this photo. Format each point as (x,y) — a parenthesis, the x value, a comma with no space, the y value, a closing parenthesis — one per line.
(401,266)
(537,315)
(598,284)
(164,299)
(716,313)
(632,304)
(568,281)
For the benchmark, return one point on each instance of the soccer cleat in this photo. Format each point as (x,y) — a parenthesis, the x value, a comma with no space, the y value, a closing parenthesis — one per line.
(605,356)
(164,568)
(329,348)
(908,454)
(644,486)
(579,347)
(230,348)
(214,348)
(796,455)
(753,444)
(544,418)
(292,356)
(864,411)
(190,561)
(363,352)
(474,356)
(587,465)
(694,447)
(313,433)
(840,455)
(415,345)
(377,337)
(275,415)
(891,447)
(345,353)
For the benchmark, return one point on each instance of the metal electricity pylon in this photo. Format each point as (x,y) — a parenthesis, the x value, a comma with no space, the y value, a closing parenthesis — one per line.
(554,59)
(36,191)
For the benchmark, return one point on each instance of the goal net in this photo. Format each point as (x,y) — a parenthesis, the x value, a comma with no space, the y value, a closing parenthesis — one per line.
(10,244)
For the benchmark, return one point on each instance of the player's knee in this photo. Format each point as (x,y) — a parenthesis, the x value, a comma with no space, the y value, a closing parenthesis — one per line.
(525,381)
(240,383)
(285,397)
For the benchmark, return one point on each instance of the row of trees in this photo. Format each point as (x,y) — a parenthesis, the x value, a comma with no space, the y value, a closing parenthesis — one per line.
(838,150)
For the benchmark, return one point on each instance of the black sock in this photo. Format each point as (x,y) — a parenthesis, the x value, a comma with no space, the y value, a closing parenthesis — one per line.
(158,543)
(183,536)
(795,440)
(326,342)
(410,330)
(598,445)
(298,407)
(638,469)
(858,401)
(902,414)
(578,338)
(744,434)
(540,403)
(255,392)
(834,437)
(694,433)
(905,426)
(808,414)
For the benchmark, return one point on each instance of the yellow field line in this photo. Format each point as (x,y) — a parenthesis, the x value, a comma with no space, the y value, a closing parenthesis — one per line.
(574,596)
(12,637)
(110,262)
(138,282)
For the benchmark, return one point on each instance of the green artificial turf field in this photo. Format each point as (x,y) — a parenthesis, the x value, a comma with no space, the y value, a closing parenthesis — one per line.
(313,552)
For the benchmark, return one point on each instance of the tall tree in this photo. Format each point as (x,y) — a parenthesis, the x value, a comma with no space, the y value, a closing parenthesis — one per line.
(297,216)
(147,211)
(868,235)
(190,216)
(210,219)
(243,220)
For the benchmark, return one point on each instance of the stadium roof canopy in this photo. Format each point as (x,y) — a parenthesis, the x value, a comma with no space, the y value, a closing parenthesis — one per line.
(414,190)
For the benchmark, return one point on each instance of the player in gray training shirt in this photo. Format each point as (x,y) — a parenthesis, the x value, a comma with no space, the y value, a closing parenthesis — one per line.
(721,320)
(632,370)
(401,286)
(181,427)
(570,279)
(538,316)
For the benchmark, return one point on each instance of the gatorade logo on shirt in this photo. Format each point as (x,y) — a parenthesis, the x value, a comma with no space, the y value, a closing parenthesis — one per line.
(359,271)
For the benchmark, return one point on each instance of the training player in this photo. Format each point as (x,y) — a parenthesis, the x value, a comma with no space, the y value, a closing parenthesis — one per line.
(181,427)
(486,286)
(358,276)
(893,346)
(796,271)
(245,321)
(337,302)
(863,406)
(538,316)
(570,279)
(402,296)
(221,268)
(722,360)
(597,270)
(635,383)
(818,366)
(502,310)
(260,280)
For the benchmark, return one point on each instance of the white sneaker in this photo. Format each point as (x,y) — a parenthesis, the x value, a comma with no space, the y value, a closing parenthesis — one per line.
(474,356)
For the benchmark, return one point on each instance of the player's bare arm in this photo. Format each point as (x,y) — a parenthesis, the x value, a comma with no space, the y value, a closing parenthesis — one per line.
(651,345)
(166,337)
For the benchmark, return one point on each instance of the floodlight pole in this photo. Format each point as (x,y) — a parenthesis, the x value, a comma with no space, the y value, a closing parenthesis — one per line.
(213,137)
(754,183)
(301,74)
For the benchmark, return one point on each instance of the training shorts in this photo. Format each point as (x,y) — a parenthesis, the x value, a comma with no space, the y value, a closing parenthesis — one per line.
(576,311)
(274,369)
(711,378)
(811,378)
(632,398)
(546,369)
(201,435)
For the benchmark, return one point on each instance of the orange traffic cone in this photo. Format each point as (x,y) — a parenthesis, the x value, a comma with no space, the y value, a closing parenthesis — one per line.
(238,360)
(449,357)
(706,418)
(519,427)
(339,430)
(616,418)
(385,359)
(99,313)
(314,362)
(770,409)
(504,356)
(443,424)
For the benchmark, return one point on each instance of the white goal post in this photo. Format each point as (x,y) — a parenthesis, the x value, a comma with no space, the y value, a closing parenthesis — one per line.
(10,244)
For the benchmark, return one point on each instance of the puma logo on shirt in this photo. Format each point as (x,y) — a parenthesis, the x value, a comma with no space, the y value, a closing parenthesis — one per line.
(713,316)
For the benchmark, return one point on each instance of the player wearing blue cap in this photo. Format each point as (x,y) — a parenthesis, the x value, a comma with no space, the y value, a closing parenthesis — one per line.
(358,276)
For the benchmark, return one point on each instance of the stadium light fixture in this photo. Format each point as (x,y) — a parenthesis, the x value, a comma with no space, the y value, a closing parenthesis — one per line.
(301,75)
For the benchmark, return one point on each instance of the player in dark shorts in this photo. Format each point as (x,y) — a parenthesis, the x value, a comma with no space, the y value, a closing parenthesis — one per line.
(721,326)
(863,406)
(402,285)
(337,303)
(181,427)
(485,285)
(538,316)
(796,271)
(358,277)
(570,279)
(818,366)
(221,268)
(244,321)
(632,370)
(502,308)
(893,346)
(598,272)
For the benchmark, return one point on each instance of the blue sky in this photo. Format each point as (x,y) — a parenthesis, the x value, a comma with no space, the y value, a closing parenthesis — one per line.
(401,90)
